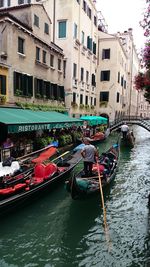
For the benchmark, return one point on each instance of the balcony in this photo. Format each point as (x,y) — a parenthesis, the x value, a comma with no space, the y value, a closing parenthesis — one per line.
(75,83)
(103,104)
(82,86)
(76,44)
(87,87)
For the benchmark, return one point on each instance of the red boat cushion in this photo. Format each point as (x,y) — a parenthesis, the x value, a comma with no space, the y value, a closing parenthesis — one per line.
(19,186)
(39,170)
(7,191)
(37,180)
(50,169)
(101,167)
(45,155)
(62,169)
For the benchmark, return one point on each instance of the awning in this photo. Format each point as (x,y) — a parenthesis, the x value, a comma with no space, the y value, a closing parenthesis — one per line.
(94,120)
(20,120)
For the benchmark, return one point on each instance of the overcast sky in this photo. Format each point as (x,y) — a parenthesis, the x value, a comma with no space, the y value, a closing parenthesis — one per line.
(123,14)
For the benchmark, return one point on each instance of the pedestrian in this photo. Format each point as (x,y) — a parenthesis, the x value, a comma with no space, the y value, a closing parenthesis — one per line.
(90,155)
(124,130)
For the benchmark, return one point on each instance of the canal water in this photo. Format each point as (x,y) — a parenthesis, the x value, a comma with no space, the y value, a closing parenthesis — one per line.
(56,231)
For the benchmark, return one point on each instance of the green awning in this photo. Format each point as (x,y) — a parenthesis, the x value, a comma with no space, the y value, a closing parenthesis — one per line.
(20,120)
(94,120)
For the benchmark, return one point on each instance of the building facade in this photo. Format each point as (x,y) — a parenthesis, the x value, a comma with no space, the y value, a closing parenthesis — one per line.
(31,66)
(75,29)
(98,68)
(118,63)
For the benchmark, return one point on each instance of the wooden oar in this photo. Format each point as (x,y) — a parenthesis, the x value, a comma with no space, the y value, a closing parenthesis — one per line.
(103,206)
(102,196)
(61,155)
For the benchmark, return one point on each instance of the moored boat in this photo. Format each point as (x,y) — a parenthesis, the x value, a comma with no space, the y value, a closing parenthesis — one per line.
(81,187)
(36,180)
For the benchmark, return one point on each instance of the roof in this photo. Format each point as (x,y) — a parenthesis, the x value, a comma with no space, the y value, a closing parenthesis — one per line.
(20,120)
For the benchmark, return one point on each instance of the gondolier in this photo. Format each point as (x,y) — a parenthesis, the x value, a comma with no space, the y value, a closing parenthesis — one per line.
(124,130)
(89,152)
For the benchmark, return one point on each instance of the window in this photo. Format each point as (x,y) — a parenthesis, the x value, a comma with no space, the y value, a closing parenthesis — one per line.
(46,28)
(74,97)
(106,54)
(104,96)
(121,80)
(78,1)
(44,57)
(64,68)
(38,53)
(89,13)
(118,77)
(52,60)
(82,37)
(75,31)
(8,2)
(59,64)
(74,70)
(62,29)
(94,101)
(93,82)
(20,2)
(86,100)
(84,5)
(95,20)
(23,83)
(2,84)
(125,84)
(1,3)
(105,75)
(118,95)
(89,42)
(36,20)
(91,101)
(81,99)
(87,77)
(94,48)
(20,45)
(82,74)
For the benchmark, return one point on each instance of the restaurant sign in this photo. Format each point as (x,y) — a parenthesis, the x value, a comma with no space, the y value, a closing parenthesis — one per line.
(36,127)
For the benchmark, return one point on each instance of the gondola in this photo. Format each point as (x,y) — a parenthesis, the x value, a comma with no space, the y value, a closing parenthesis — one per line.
(81,187)
(128,140)
(97,138)
(36,180)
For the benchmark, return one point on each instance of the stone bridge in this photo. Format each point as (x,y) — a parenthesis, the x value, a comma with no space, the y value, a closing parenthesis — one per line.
(130,120)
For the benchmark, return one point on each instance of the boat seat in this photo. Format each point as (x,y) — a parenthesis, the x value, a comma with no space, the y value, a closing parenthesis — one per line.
(39,170)
(50,170)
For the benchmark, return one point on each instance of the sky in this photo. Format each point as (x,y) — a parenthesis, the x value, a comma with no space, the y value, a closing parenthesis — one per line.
(123,14)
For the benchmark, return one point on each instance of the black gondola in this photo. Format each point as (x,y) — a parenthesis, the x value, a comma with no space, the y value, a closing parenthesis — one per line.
(16,192)
(81,187)
(128,140)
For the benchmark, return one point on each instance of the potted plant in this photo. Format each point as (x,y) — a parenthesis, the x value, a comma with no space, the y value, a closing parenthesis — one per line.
(2,99)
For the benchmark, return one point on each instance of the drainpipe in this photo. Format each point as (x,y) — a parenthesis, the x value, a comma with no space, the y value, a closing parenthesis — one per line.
(131,65)
(54,16)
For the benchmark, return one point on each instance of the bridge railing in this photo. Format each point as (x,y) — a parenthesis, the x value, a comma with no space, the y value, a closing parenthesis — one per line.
(127,119)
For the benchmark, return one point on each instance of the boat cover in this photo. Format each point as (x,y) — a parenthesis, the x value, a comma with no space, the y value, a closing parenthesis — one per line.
(45,155)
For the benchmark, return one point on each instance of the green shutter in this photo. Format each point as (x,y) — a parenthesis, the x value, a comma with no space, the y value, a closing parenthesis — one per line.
(62,29)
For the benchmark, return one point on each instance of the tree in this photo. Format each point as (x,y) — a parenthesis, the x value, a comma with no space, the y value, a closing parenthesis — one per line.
(142,80)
